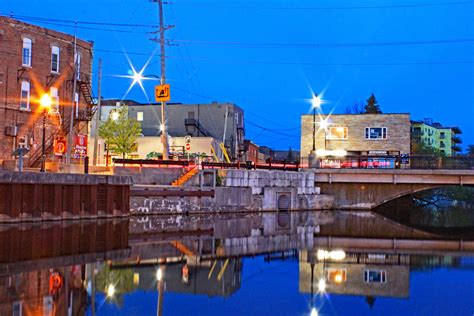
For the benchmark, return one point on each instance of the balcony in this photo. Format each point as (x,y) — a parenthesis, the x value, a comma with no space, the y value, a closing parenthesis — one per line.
(456,149)
(456,140)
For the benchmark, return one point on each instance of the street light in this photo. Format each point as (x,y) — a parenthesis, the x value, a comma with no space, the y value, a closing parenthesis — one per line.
(316,104)
(45,103)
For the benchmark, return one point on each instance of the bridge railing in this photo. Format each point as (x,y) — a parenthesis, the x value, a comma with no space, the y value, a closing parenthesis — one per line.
(392,162)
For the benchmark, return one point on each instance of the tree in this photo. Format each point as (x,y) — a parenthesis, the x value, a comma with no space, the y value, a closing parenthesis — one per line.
(372,107)
(121,134)
(470,150)
(420,148)
(357,108)
(290,155)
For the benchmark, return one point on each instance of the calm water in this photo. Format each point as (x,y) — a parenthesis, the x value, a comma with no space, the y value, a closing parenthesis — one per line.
(301,263)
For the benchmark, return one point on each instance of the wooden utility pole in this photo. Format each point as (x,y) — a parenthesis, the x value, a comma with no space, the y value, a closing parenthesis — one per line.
(69,145)
(164,134)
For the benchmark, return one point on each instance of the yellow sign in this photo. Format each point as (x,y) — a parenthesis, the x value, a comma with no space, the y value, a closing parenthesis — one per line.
(162,93)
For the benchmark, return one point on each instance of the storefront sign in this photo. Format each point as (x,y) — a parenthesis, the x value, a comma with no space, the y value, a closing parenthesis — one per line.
(80,148)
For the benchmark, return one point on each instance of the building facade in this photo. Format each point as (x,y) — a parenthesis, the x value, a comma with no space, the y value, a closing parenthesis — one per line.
(220,121)
(444,139)
(34,61)
(356,135)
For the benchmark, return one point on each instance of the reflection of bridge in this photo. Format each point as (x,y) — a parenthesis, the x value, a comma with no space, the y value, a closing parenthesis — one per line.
(368,188)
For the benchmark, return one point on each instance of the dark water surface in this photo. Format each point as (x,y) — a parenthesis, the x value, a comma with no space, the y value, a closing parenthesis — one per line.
(299,263)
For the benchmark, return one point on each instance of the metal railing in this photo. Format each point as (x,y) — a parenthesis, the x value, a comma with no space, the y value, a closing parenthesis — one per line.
(393,162)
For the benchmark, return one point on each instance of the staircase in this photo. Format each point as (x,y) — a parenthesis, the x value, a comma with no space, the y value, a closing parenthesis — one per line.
(185,177)
(84,115)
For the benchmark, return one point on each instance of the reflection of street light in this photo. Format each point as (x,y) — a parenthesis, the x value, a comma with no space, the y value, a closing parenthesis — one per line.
(159,275)
(110,290)
(45,103)
(322,285)
(314,312)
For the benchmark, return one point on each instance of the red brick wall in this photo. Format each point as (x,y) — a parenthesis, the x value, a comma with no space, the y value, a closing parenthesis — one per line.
(12,73)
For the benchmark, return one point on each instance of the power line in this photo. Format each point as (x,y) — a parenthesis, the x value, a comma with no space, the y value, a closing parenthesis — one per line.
(327,45)
(77,22)
(308,8)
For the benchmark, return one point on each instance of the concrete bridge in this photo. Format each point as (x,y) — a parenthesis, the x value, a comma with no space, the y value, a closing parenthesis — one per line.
(369,188)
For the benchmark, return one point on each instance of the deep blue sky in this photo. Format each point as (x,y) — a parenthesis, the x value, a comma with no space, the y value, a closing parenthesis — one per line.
(266,55)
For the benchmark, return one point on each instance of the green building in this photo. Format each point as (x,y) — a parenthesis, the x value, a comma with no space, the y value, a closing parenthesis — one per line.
(433,134)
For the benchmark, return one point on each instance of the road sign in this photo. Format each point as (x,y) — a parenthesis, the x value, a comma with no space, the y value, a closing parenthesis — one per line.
(162,93)
(187,139)
(59,146)
(80,149)
(188,147)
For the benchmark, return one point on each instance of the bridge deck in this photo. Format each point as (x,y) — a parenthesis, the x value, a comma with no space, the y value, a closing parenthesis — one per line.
(395,176)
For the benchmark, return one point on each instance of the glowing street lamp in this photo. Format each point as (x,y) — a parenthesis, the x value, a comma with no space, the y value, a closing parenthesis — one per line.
(115,115)
(45,103)
(159,275)
(322,285)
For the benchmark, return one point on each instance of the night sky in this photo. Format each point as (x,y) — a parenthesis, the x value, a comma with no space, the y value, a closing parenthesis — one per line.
(416,56)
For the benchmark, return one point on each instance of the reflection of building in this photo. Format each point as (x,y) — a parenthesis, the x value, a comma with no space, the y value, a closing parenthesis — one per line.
(197,120)
(357,134)
(30,293)
(357,274)
(221,279)
(38,60)
(433,134)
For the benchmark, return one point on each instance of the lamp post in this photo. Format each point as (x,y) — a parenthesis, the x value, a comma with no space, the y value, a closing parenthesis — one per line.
(316,104)
(45,103)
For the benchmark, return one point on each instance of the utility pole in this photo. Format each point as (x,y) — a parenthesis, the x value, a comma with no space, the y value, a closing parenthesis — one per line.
(164,134)
(97,114)
(74,88)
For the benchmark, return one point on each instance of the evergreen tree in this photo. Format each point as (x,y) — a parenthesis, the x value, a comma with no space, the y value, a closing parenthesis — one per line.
(470,150)
(372,107)
(290,155)
(121,134)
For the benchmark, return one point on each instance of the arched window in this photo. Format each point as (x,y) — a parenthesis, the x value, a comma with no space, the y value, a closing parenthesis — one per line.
(26,53)
(55,59)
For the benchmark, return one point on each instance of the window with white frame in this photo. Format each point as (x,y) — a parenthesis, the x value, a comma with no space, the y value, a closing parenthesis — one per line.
(26,53)
(375,276)
(25,96)
(55,59)
(337,132)
(375,133)
(17,309)
(53,92)
(78,66)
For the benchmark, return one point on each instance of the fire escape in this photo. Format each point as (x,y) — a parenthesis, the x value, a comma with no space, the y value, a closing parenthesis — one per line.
(85,88)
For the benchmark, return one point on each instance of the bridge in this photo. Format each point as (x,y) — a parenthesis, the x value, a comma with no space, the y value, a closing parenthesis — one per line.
(369,188)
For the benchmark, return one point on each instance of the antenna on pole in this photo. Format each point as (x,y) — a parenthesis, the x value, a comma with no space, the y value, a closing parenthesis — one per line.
(161,40)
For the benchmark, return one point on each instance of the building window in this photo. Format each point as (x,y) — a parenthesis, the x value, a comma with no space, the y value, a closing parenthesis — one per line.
(25,96)
(375,276)
(1,77)
(54,94)
(375,133)
(336,275)
(54,59)
(26,53)
(78,66)
(139,116)
(338,132)
(17,308)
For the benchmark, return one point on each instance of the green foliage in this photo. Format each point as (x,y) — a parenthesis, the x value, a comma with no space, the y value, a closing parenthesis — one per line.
(470,150)
(372,107)
(420,148)
(122,279)
(120,135)
(153,155)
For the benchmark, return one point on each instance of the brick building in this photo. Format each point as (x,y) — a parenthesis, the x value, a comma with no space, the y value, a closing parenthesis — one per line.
(356,135)
(33,61)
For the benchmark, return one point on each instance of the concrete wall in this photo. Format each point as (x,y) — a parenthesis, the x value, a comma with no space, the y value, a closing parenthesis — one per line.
(398,133)
(149,175)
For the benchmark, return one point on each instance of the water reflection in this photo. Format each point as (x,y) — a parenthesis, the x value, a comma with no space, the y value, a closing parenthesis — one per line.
(154,265)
